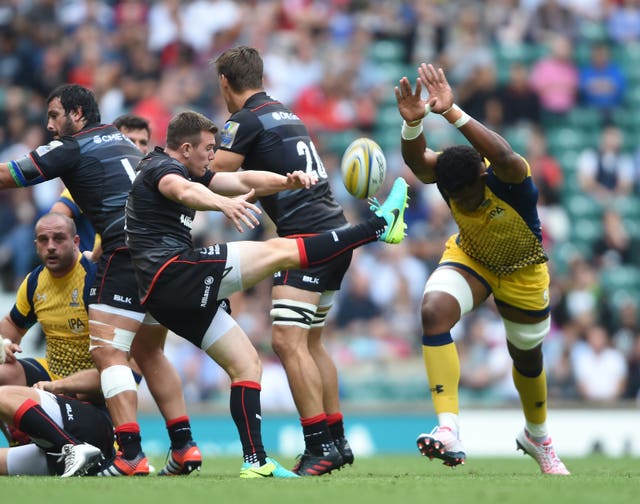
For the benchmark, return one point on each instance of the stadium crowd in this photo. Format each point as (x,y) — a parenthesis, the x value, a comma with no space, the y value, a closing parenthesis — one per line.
(558,78)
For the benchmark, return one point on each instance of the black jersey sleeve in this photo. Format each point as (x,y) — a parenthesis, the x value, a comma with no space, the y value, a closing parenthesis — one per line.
(239,132)
(47,161)
(154,176)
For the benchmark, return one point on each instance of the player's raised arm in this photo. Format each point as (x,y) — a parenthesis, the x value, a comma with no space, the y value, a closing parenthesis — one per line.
(507,164)
(194,195)
(264,183)
(7,180)
(413,109)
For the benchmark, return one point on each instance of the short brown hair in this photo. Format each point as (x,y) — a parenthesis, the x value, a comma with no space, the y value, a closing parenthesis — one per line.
(187,127)
(242,66)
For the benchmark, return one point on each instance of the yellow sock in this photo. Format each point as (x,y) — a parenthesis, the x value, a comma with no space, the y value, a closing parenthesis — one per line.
(533,396)
(443,370)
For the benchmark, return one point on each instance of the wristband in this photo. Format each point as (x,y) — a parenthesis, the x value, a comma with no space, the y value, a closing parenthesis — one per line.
(462,120)
(410,132)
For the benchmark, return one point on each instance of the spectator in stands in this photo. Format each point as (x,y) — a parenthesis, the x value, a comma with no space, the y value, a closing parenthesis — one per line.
(519,101)
(550,18)
(633,378)
(600,370)
(615,246)
(555,77)
(605,171)
(602,83)
(623,22)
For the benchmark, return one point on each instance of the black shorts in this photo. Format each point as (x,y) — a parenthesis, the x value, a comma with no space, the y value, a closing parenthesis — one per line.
(115,284)
(184,297)
(88,423)
(324,277)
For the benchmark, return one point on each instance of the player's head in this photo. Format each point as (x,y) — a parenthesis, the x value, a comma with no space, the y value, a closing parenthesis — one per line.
(136,128)
(57,243)
(241,67)
(190,140)
(70,107)
(459,172)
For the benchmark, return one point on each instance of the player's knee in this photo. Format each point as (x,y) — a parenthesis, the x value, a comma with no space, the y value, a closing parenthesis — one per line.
(117,379)
(526,336)
(287,312)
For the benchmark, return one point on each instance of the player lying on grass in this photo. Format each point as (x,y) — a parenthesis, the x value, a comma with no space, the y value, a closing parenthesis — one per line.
(69,437)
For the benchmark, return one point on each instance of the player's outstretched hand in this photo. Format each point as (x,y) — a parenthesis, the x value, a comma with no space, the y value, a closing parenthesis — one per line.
(435,82)
(300,180)
(410,103)
(240,210)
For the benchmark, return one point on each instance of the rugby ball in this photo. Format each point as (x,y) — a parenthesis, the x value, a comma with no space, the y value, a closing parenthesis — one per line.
(363,168)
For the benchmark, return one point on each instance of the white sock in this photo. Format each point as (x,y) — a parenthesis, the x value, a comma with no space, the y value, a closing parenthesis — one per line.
(538,432)
(449,420)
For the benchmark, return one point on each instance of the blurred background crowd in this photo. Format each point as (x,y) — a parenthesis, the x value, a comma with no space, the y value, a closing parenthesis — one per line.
(560,79)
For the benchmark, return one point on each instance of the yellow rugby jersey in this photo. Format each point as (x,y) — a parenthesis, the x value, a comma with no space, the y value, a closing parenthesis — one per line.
(59,304)
(503,233)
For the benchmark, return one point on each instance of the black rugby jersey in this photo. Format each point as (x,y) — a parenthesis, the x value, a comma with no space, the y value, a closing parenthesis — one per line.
(97,165)
(272,138)
(157,228)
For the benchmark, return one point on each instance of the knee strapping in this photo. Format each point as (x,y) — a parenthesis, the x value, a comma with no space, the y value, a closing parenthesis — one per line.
(121,340)
(290,312)
(526,336)
(117,379)
(453,283)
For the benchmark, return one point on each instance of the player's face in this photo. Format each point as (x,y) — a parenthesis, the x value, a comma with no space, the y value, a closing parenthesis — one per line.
(470,197)
(201,155)
(56,247)
(140,137)
(59,122)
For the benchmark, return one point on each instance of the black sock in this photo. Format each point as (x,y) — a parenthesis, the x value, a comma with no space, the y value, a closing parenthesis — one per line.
(34,421)
(129,441)
(317,437)
(179,430)
(245,411)
(337,429)
(326,246)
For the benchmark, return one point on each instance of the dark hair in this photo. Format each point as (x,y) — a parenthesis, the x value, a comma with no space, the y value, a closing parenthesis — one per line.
(73,96)
(187,127)
(457,167)
(242,66)
(132,122)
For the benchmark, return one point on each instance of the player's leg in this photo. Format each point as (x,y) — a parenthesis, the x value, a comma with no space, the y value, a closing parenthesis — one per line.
(324,361)
(165,386)
(293,313)
(12,373)
(258,260)
(37,414)
(23,372)
(228,345)
(111,333)
(450,292)
(524,340)
(330,388)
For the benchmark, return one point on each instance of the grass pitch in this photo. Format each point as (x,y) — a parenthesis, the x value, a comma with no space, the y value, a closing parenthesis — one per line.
(381,480)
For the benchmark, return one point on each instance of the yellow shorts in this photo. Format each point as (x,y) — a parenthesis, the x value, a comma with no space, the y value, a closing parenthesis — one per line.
(526,289)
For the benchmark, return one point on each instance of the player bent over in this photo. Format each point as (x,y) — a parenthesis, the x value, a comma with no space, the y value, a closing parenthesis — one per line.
(497,250)
(182,287)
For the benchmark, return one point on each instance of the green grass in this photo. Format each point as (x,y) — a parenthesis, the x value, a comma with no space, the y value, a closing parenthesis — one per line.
(381,480)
